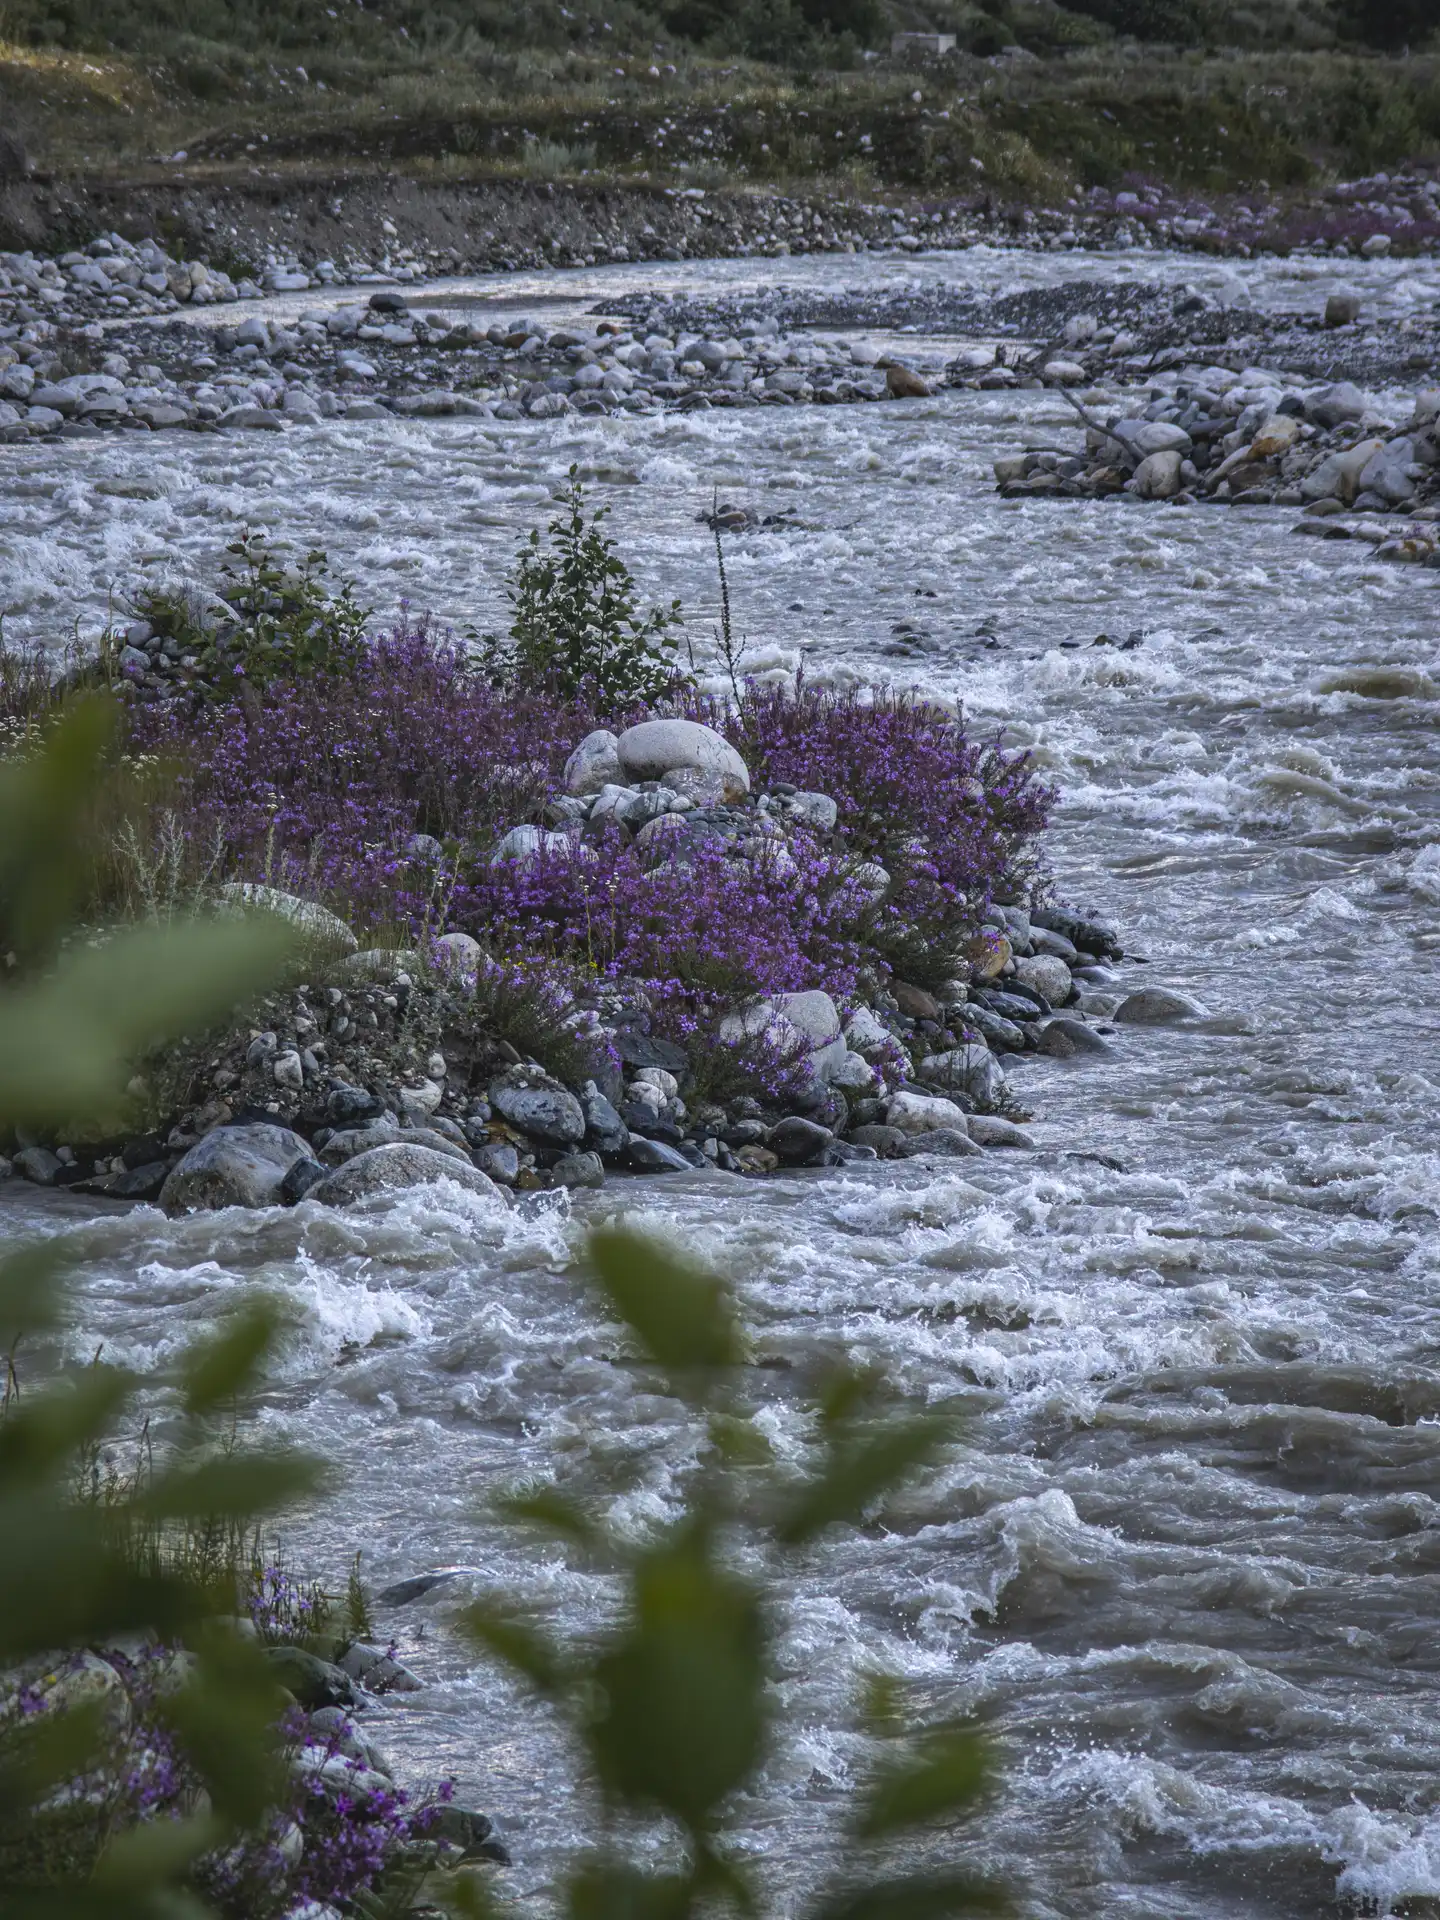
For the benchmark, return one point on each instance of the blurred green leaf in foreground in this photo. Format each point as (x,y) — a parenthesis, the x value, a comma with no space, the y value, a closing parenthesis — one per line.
(76,1008)
(672,1707)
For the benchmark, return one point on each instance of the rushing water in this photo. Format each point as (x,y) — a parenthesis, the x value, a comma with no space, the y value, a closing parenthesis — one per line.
(1186,1564)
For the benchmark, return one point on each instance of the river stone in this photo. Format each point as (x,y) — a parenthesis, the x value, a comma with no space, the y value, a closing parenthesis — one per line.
(1065,1038)
(1342,308)
(393,1168)
(1158,476)
(1338,476)
(343,1736)
(887,1142)
(604,1129)
(799,1143)
(922,1113)
(39,1165)
(656,747)
(853,1074)
(914,1001)
(1155,1006)
(234,1167)
(500,1160)
(701,786)
(594,764)
(989,1130)
(579,1170)
(864,1032)
(1145,437)
(313,1681)
(350,1141)
(1047,975)
(653,1156)
(318,925)
(538,1106)
(1335,405)
(1276,436)
(903,383)
(377,1671)
(951,1141)
(971,1070)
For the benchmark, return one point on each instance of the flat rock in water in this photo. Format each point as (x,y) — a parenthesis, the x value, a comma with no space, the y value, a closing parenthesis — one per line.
(234,1167)
(917,1113)
(1064,1039)
(952,1141)
(989,1130)
(1157,1006)
(653,1156)
(394,1168)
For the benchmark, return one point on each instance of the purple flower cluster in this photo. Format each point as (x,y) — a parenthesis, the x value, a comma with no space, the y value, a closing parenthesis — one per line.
(324,786)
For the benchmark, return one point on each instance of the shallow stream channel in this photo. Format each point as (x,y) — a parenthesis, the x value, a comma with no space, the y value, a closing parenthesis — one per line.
(1186,1562)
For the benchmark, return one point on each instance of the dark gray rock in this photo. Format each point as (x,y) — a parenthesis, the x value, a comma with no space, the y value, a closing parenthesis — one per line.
(377,1671)
(299,1180)
(799,1143)
(604,1129)
(538,1106)
(579,1170)
(1157,1006)
(392,1169)
(241,1166)
(313,1681)
(888,1142)
(654,1156)
(944,1140)
(39,1165)
(643,1050)
(500,1160)
(352,1106)
(343,1736)
(845,1153)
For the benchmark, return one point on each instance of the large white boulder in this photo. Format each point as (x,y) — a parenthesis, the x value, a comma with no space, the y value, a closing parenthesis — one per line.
(234,1167)
(1158,476)
(923,1113)
(315,923)
(797,1022)
(1338,477)
(656,747)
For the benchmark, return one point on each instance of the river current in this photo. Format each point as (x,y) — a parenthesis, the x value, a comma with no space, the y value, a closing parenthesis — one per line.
(1186,1563)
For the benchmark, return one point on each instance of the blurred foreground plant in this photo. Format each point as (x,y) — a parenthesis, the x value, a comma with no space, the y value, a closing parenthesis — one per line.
(74,1011)
(671,1707)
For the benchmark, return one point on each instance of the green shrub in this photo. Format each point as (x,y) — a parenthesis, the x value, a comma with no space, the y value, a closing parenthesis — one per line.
(577,627)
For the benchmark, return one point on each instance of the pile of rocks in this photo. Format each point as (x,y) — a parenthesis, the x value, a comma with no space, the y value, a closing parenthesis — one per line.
(385,1078)
(322,1688)
(366,361)
(1247,439)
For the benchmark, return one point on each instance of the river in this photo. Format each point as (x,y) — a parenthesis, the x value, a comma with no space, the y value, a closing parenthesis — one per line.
(1186,1564)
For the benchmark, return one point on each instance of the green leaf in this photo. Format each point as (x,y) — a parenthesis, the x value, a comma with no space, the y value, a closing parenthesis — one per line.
(859,1471)
(923,1897)
(44,797)
(30,1292)
(548,1510)
(518,1645)
(234,1486)
(156,1853)
(605,1889)
(948,1774)
(225,1716)
(217,1370)
(67,1041)
(684,1319)
(682,1714)
(40,1434)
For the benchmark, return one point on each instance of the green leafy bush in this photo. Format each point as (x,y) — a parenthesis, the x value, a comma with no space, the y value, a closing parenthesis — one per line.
(577,626)
(268,619)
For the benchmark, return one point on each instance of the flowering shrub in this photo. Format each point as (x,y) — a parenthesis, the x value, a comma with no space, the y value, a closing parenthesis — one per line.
(325,787)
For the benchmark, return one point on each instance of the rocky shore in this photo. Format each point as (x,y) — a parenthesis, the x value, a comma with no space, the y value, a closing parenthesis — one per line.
(1257,438)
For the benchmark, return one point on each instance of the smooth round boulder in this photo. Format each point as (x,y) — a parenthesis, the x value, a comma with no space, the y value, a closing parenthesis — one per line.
(233,1167)
(971,1070)
(457,953)
(393,1169)
(657,747)
(1064,1038)
(1047,975)
(1158,1006)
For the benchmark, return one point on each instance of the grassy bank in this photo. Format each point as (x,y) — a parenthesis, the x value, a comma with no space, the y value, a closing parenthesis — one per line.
(471,93)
